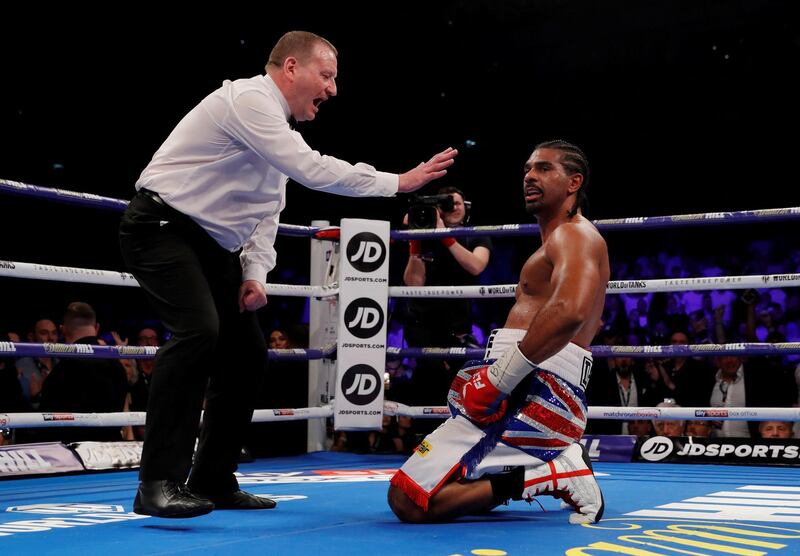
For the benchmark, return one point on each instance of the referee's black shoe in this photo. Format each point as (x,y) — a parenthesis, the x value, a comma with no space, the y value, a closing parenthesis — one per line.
(169,499)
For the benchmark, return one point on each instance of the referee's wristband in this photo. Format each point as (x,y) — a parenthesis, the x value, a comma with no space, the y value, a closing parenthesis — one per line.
(448,241)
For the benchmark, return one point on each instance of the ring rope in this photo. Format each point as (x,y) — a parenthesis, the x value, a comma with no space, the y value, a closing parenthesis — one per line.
(613,224)
(137,418)
(98,201)
(87,351)
(61,195)
(692,350)
(628,413)
(614,286)
(35,271)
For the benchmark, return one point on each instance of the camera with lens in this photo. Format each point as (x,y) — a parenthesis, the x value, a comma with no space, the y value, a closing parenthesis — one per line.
(422,210)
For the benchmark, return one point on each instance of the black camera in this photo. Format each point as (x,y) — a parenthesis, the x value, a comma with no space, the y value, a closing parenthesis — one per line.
(422,210)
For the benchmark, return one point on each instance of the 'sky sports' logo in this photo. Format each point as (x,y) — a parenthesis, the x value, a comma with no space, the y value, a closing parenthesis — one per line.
(361,384)
(363,317)
(366,252)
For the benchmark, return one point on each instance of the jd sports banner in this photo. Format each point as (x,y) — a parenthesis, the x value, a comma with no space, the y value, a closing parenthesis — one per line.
(361,344)
(743,451)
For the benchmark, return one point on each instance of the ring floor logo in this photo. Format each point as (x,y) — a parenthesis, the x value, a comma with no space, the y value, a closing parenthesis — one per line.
(366,252)
(656,448)
(68,516)
(361,384)
(363,317)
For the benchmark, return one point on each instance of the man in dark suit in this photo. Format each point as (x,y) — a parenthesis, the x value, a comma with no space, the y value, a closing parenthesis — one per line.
(83,385)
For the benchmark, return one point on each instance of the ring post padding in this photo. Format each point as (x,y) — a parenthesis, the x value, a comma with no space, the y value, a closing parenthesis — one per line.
(361,342)
(322,331)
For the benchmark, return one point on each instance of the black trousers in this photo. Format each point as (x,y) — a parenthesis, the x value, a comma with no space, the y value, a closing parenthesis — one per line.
(215,350)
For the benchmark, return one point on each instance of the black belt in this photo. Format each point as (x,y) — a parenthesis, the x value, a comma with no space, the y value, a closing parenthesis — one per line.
(153,195)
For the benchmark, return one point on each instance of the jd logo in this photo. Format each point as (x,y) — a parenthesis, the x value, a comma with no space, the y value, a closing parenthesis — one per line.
(363,317)
(366,252)
(360,384)
(656,448)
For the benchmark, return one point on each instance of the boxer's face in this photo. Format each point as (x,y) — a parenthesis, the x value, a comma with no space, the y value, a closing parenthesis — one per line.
(545,183)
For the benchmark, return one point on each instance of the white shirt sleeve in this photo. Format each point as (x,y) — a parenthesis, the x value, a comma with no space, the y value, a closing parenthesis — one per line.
(259,124)
(258,254)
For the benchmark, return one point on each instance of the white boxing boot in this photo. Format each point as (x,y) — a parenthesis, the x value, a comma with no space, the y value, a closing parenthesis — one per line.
(570,478)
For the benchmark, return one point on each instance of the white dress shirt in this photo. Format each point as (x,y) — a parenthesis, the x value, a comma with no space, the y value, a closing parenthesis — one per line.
(227,162)
(731,394)
(627,397)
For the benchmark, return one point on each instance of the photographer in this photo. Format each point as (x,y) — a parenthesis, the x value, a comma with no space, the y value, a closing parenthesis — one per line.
(446,262)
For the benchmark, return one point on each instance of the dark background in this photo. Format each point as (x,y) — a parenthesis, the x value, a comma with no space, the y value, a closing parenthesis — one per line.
(680,106)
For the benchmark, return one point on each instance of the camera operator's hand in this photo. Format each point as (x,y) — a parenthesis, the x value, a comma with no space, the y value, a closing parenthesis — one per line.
(439,221)
(446,241)
(426,172)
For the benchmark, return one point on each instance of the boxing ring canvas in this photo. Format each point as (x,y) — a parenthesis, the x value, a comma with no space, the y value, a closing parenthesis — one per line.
(335,503)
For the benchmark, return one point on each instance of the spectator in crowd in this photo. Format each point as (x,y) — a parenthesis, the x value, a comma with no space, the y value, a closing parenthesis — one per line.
(279,339)
(687,379)
(775,429)
(699,429)
(399,384)
(286,387)
(740,384)
(12,399)
(797,383)
(675,313)
(391,439)
(699,328)
(34,370)
(443,322)
(624,383)
(140,389)
(640,427)
(615,321)
(668,427)
(84,385)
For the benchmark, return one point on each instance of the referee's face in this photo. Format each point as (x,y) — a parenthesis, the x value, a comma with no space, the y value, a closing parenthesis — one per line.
(314,84)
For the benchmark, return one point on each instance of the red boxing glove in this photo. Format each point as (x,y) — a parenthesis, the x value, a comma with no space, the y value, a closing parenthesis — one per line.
(414,247)
(482,401)
(484,395)
(448,241)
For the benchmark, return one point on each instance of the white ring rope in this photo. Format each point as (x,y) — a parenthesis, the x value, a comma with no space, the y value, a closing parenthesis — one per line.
(14,269)
(615,286)
(137,418)
(628,413)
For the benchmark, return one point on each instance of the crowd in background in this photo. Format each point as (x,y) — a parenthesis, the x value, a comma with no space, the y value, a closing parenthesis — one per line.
(717,316)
